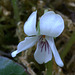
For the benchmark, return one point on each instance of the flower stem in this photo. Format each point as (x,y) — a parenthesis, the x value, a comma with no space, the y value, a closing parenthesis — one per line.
(15,8)
(49,68)
(68,46)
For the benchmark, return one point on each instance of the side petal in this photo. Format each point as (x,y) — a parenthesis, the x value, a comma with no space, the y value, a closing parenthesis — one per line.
(43,53)
(55,52)
(30,24)
(51,24)
(24,45)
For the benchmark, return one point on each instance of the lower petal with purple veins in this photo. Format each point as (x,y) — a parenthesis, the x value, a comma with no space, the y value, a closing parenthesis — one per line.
(43,52)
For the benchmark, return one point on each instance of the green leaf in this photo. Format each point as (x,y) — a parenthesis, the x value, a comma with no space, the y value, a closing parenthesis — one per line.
(8,67)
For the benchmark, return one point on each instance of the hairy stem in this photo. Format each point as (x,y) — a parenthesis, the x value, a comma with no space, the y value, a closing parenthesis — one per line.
(49,68)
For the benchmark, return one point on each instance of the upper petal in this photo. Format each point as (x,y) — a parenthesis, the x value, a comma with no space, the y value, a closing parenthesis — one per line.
(30,24)
(43,53)
(23,45)
(55,52)
(51,24)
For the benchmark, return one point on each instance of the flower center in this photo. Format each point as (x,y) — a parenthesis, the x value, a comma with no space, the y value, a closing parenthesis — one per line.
(43,39)
(43,36)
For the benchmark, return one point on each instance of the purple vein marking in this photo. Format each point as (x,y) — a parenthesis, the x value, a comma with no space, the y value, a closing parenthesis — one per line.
(45,46)
(42,44)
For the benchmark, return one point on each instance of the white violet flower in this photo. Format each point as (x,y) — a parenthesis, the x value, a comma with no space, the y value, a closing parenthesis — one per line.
(51,25)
